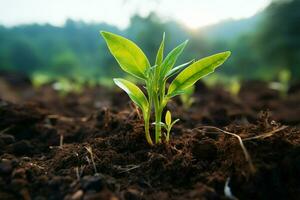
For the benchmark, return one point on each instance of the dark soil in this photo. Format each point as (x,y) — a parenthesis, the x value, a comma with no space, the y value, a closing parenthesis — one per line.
(195,165)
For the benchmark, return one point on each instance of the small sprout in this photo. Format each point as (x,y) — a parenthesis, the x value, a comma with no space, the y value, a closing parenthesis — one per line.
(186,98)
(168,118)
(284,78)
(234,87)
(133,61)
(169,124)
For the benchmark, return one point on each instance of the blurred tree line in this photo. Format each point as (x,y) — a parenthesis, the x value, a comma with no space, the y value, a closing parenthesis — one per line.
(262,46)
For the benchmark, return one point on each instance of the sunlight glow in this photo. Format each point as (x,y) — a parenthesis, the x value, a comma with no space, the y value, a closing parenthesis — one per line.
(192,13)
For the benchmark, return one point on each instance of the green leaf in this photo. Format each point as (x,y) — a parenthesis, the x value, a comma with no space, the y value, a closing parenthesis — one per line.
(195,71)
(175,70)
(150,71)
(134,92)
(175,93)
(160,52)
(161,123)
(174,122)
(170,60)
(189,91)
(129,56)
(168,118)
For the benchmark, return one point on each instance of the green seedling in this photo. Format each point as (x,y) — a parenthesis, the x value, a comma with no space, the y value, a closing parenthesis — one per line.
(133,61)
(284,78)
(169,124)
(187,98)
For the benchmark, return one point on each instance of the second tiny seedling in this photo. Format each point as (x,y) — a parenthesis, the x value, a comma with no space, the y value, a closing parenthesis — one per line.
(133,61)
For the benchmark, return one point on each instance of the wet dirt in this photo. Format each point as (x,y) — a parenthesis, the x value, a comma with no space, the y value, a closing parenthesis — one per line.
(195,165)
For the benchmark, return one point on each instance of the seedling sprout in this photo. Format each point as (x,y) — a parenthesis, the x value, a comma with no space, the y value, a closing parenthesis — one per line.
(133,61)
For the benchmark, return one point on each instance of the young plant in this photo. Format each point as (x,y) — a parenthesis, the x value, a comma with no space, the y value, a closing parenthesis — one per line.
(168,124)
(187,98)
(133,61)
(284,78)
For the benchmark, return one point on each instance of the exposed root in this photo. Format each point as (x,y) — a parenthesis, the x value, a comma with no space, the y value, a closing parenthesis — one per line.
(247,155)
(127,168)
(267,134)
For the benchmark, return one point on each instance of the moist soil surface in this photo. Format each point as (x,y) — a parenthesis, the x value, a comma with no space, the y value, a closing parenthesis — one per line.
(101,126)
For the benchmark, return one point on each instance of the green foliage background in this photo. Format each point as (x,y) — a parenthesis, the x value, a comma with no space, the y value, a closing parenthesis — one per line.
(262,46)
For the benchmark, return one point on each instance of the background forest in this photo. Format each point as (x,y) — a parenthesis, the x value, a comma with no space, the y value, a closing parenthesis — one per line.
(265,46)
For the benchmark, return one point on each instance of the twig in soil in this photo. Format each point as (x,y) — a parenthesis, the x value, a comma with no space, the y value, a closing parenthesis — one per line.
(267,134)
(227,190)
(247,155)
(90,151)
(127,168)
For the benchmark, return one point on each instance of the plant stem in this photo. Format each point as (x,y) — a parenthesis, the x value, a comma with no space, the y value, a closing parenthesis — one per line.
(159,106)
(168,134)
(158,112)
(147,115)
(147,132)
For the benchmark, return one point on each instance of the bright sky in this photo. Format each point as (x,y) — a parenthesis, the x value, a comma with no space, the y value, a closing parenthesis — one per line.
(192,13)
